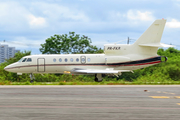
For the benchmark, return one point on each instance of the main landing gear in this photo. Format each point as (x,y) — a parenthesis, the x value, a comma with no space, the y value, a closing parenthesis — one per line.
(98,77)
(32,77)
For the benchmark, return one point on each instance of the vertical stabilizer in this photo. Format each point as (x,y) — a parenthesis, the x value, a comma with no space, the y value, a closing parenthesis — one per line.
(153,34)
(149,41)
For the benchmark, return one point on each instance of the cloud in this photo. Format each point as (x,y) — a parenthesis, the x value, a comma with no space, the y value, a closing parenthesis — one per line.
(11,14)
(16,17)
(133,17)
(115,16)
(22,42)
(57,12)
(138,15)
(20,17)
(36,21)
(173,24)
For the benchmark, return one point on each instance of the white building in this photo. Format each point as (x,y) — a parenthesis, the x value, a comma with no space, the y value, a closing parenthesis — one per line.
(6,52)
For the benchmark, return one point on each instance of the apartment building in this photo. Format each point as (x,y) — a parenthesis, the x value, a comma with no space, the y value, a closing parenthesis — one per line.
(6,52)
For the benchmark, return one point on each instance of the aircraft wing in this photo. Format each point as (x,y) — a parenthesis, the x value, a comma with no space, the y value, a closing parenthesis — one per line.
(102,71)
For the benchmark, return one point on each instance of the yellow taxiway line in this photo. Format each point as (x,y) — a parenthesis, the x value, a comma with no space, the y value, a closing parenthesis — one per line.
(159,96)
(177,97)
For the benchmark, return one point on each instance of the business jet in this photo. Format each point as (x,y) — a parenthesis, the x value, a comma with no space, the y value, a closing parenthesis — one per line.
(116,59)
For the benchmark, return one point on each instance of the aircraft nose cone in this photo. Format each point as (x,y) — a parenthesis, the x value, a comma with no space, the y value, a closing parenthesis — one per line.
(6,68)
(11,67)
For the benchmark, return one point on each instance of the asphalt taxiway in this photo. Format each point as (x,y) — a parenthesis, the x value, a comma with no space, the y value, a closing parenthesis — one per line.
(112,102)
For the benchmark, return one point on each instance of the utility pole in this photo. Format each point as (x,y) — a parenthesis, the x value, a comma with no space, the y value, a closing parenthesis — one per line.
(128,40)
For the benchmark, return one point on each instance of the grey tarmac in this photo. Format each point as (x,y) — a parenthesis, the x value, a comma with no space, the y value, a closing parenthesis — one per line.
(88,102)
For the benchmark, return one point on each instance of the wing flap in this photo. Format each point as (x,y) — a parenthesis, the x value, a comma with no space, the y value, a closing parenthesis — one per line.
(94,71)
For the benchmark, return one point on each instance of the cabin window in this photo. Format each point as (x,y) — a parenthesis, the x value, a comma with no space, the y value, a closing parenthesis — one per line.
(29,60)
(60,60)
(24,60)
(71,59)
(65,59)
(54,59)
(88,59)
(77,59)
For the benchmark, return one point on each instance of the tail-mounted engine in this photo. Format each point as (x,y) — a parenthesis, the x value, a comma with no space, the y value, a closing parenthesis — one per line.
(164,58)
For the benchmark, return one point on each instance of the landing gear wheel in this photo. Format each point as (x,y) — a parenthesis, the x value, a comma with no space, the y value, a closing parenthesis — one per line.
(96,79)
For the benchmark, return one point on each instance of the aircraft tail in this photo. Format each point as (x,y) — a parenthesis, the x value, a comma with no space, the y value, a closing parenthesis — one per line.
(149,41)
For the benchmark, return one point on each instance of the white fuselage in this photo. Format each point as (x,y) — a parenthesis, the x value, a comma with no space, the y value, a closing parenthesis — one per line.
(65,63)
(117,58)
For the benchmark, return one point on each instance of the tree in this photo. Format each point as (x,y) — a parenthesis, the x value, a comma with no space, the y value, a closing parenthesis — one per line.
(17,57)
(94,49)
(4,75)
(65,44)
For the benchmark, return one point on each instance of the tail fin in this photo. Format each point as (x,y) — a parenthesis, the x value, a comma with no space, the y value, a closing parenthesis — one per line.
(149,41)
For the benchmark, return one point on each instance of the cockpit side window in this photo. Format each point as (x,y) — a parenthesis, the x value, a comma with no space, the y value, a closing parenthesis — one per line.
(24,60)
(29,60)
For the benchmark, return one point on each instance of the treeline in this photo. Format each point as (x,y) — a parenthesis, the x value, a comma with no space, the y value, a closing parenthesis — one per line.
(164,72)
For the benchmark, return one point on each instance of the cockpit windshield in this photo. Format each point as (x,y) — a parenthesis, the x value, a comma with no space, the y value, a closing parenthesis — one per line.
(21,60)
(24,60)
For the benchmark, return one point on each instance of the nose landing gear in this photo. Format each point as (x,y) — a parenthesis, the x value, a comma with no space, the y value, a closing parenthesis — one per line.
(98,78)
(32,77)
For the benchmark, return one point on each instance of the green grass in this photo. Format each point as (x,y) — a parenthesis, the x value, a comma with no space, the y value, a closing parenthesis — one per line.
(91,83)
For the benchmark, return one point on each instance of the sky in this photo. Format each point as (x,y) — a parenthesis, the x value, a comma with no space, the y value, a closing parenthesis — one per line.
(25,24)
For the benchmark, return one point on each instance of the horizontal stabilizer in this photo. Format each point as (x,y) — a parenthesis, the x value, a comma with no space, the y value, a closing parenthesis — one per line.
(156,45)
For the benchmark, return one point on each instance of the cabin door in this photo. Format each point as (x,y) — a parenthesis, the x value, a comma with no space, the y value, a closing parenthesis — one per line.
(41,65)
(83,59)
